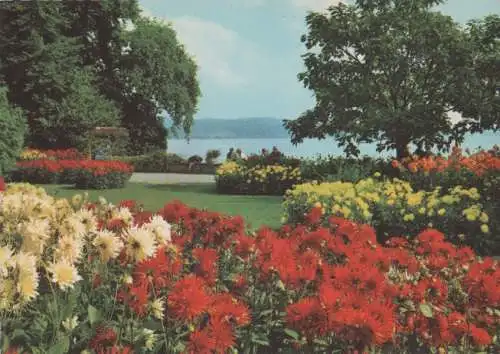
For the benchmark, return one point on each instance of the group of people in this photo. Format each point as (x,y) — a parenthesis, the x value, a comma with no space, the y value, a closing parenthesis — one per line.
(237,154)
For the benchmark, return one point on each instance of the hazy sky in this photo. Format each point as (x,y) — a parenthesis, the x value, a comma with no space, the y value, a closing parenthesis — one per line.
(249,51)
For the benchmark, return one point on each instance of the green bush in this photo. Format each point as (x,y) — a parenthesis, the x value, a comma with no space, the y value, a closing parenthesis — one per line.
(12,132)
(85,179)
(155,162)
(338,168)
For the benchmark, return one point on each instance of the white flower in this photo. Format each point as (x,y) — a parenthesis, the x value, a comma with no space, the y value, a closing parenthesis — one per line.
(140,244)
(6,260)
(158,308)
(70,323)
(123,214)
(161,229)
(35,233)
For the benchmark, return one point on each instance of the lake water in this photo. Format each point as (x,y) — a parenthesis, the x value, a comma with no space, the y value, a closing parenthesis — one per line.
(309,148)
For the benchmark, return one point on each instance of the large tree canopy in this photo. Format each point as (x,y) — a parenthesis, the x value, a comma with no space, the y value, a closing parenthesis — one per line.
(75,65)
(155,83)
(385,71)
(481,108)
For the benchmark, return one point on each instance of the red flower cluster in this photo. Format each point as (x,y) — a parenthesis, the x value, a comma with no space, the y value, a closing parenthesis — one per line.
(97,167)
(332,284)
(64,154)
(478,163)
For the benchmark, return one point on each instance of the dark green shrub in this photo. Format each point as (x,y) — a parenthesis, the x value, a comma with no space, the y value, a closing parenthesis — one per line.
(12,132)
(155,162)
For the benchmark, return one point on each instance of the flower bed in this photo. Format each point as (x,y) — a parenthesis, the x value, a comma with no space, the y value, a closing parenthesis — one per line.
(116,279)
(394,208)
(480,170)
(235,178)
(86,174)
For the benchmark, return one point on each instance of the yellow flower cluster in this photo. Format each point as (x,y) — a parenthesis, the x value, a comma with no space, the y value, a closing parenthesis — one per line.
(230,168)
(32,154)
(261,174)
(395,199)
(42,236)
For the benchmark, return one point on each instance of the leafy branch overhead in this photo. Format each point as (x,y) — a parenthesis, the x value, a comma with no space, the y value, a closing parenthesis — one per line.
(390,71)
(72,66)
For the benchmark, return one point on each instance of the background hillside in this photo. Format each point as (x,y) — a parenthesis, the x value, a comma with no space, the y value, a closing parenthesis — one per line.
(241,128)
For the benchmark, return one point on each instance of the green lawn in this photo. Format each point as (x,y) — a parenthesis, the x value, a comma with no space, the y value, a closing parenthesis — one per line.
(257,210)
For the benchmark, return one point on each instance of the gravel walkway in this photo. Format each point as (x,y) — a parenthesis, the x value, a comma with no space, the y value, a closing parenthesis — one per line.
(171,178)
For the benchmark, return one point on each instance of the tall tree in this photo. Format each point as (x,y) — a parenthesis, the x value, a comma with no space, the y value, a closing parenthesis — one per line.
(58,57)
(47,78)
(382,71)
(158,77)
(481,109)
(154,76)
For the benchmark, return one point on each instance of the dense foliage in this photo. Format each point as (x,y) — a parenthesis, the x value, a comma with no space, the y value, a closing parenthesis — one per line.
(72,66)
(12,131)
(80,276)
(154,162)
(389,72)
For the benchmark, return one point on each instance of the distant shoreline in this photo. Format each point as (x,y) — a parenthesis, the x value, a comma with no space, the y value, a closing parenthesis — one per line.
(229,138)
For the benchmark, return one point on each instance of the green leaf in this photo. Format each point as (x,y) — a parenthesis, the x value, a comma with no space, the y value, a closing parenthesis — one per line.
(426,310)
(5,341)
(179,348)
(18,334)
(261,342)
(61,347)
(320,342)
(292,333)
(94,315)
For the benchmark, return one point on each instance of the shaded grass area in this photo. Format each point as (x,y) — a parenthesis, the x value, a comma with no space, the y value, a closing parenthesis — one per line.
(257,210)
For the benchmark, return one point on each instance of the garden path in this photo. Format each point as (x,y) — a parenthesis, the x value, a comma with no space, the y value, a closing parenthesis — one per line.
(171,178)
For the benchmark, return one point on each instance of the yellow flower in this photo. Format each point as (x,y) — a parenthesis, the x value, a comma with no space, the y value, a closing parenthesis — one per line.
(448,199)
(484,218)
(391,202)
(409,217)
(367,215)
(317,205)
(414,199)
(64,274)
(346,212)
(441,212)
(377,174)
(27,283)
(485,228)
(421,211)
(69,248)
(76,200)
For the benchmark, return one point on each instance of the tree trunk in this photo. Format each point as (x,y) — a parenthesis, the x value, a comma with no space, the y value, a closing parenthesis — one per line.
(402,150)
